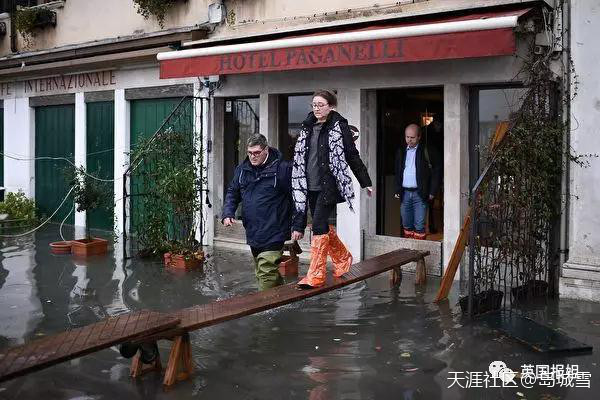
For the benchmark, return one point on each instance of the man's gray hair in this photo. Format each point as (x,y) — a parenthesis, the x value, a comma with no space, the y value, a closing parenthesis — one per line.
(257,140)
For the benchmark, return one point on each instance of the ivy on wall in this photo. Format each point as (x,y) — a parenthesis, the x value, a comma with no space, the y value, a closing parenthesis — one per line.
(29,20)
(518,204)
(156,8)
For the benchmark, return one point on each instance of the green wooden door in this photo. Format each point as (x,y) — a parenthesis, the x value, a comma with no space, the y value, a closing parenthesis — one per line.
(100,120)
(147,116)
(54,137)
(2,149)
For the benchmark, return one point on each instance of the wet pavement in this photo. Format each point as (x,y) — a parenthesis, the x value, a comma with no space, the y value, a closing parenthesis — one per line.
(366,341)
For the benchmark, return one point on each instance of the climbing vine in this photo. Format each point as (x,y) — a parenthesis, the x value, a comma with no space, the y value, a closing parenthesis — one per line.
(156,8)
(29,20)
(519,201)
(168,181)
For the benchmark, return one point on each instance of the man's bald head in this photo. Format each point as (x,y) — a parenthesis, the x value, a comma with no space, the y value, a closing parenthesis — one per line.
(412,134)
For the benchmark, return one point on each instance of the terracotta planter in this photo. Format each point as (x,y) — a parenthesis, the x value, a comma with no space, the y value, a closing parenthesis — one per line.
(179,261)
(288,266)
(60,247)
(89,247)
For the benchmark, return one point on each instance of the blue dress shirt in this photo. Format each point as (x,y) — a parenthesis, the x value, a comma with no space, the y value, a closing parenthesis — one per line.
(409,179)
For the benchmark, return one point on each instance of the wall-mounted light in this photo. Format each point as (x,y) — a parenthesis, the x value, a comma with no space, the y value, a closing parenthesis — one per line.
(426,118)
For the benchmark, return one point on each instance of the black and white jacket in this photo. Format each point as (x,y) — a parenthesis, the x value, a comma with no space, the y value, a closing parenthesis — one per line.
(337,156)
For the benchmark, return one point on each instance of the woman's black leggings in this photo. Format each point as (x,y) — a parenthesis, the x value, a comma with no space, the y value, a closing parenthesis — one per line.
(320,213)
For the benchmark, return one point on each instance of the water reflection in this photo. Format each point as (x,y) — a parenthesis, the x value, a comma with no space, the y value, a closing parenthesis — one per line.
(366,341)
(19,297)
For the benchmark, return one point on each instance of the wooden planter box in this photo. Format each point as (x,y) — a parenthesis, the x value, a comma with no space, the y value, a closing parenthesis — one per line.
(179,261)
(60,247)
(288,266)
(89,247)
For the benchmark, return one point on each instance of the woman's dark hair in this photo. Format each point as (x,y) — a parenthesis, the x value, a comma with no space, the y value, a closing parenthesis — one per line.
(327,95)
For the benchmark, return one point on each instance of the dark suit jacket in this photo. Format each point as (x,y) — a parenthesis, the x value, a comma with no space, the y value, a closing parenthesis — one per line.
(428,179)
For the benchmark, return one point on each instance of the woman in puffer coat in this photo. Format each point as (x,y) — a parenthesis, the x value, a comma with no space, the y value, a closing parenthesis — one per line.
(324,157)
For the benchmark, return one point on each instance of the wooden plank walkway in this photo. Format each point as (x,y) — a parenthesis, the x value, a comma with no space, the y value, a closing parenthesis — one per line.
(148,327)
(224,310)
(42,353)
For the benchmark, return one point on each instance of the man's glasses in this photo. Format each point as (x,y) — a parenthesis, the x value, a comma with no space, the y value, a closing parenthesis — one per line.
(318,105)
(255,153)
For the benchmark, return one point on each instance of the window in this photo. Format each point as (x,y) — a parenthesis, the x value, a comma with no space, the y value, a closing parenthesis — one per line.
(293,110)
(491,106)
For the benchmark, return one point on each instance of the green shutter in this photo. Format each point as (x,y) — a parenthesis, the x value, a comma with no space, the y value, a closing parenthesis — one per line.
(2,146)
(100,120)
(147,116)
(54,137)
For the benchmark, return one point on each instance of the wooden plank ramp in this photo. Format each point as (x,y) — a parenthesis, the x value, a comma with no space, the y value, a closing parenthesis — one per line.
(236,307)
(148,327)
(45,352)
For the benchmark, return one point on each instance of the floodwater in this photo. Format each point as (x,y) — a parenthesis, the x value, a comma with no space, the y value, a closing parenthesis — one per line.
(366,341)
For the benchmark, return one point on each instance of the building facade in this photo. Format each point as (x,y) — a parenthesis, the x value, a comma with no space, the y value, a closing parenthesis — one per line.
(87,91)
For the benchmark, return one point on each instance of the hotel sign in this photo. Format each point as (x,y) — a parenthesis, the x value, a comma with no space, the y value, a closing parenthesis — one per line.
(81,82)
(406,49)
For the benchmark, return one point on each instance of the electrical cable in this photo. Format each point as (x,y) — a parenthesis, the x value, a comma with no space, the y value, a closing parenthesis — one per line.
(59,159)
(63,222)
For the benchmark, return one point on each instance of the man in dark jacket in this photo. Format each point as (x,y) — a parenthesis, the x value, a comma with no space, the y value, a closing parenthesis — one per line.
(262,185)
(417,181)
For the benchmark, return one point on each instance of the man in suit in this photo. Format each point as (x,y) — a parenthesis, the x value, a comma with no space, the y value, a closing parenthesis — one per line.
(417,181)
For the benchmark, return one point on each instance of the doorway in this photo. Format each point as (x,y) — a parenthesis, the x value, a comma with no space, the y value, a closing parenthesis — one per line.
(397,108)
(241,121)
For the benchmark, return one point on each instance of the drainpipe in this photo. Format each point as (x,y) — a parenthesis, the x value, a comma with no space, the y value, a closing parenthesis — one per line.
(565,193)
(13,30)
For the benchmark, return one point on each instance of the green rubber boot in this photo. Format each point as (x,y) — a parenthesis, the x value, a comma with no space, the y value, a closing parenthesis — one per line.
(267,269)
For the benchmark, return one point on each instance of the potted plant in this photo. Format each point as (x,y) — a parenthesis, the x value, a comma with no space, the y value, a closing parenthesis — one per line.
(485,301)
(531,289)
(88,194)
(172,206)
(181,257)
(177,185)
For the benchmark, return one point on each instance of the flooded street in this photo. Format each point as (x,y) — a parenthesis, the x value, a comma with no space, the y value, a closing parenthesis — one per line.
(366,341)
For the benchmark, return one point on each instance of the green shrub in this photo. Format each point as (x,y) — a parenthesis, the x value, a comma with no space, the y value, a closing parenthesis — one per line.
(18,207)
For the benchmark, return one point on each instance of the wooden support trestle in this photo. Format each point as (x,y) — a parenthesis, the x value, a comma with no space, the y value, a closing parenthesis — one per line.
(138,368)
(420,278)
(180,364)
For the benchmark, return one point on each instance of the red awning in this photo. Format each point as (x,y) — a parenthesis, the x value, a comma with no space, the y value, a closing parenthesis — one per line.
(466,36)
